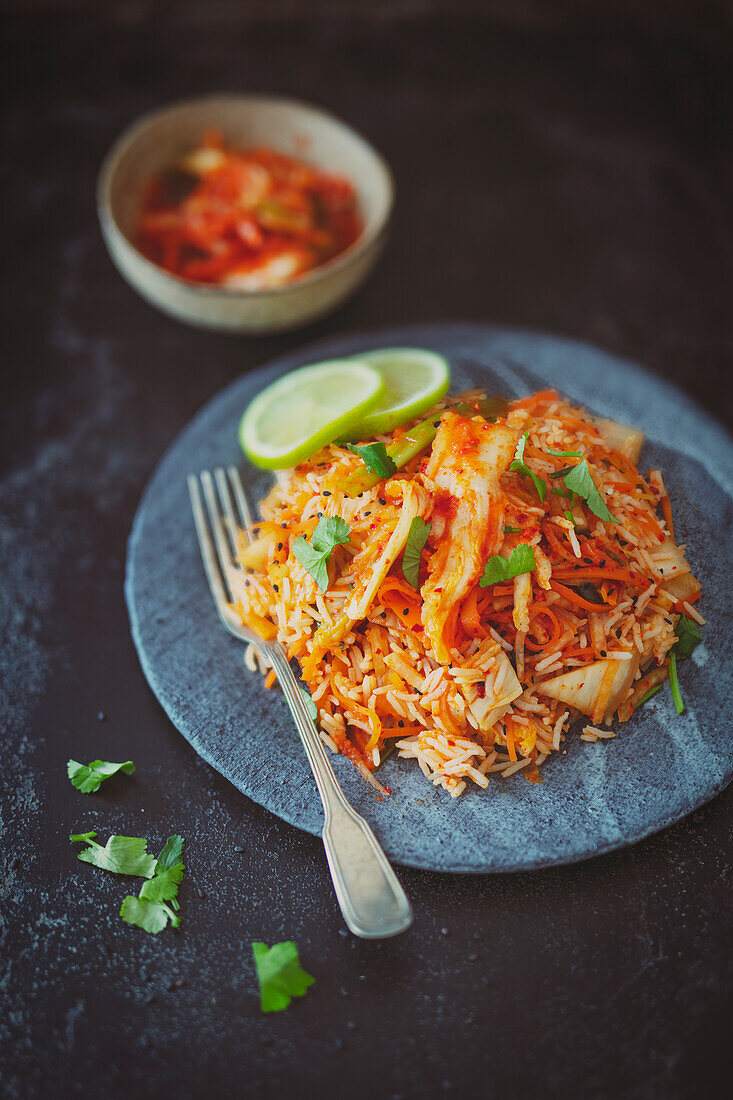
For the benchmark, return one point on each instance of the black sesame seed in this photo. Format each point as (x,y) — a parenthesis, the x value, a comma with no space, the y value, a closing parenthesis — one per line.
(382,500)
(279,546)
(401,724)
(406,611)
(326,492)
(275,588)
(367,513)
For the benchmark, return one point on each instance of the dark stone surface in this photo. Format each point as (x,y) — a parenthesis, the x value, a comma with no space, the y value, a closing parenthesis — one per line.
(566,173)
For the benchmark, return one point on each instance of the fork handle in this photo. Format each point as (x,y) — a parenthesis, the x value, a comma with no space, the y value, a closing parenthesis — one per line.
(372,901)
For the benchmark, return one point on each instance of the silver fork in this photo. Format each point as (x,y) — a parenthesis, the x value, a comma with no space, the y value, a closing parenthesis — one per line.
(372,901)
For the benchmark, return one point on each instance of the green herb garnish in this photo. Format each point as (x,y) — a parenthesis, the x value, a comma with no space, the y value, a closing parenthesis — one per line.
(564,454)
(417,536)
(280,975)
(518,466)
(497,568)
(580,481)
(313,556)
(150,910)
(508,529)
(88,778)
(688,637)
(375,458)
(125,855)
(569,515)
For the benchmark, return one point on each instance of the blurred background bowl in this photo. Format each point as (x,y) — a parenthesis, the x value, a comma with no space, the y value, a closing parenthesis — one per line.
(289,126)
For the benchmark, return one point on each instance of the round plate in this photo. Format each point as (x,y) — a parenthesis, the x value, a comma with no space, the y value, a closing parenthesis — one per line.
(595,797)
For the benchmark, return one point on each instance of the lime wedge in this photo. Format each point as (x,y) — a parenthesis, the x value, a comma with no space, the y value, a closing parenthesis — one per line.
(414,379)
(306,409)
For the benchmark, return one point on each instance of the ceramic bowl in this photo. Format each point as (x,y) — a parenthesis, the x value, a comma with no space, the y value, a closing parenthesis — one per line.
(286,125)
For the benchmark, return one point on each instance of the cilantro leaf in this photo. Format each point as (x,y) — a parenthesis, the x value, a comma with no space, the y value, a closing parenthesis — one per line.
(417,536)
(331,531)
(171,854)
(125,855)
(149,910)
(280,975)
(518,466)
(312,708)
(569,515)
(152,916)
(498,568)
(313,556)
(89,777)
(163,886)
(375,458)
(580,481)
(563,454)
(688,637)
(508,529)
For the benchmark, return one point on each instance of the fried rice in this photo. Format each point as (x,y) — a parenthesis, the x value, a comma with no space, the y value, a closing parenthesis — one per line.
(473,680)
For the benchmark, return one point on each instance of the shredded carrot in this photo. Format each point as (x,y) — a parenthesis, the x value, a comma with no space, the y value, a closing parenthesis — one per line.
(573,597)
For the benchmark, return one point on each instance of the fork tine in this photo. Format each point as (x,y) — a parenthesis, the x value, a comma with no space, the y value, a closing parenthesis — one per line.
(208,554)
(242,504)
(231,523)
(232,574)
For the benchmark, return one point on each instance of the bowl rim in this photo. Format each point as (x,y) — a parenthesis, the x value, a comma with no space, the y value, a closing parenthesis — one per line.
(110,227)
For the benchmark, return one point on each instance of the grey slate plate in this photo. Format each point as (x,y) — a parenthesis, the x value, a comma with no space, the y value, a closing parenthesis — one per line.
(596,797)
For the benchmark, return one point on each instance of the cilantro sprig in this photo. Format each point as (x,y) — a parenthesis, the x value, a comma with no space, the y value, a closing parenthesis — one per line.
(150,910)
(124,855)
(519,466)
(280,975)
(88,778)
(688,637)
(417,536)
(313,556)
(375,458)
(498,568)
(564,454)
(580,480)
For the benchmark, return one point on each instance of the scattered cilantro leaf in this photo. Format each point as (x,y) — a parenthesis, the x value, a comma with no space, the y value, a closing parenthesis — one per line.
(508,529)
(163,886)
(149,910)
(560,473)
(518,466)
(569,515)
(375,458)
(560,493)
(688,637)
(152,916)
(498,568)
(580,481)
(125,855)
(171,853)
(417,536)
(563,454)
(280,975)
(311,706)
(313,556)
(88,778)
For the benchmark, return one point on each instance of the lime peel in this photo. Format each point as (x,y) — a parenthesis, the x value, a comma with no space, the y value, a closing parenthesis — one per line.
(414,380)
(306,410)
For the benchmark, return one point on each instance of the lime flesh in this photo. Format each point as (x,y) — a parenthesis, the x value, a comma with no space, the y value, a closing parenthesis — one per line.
(306,409)
(414,379)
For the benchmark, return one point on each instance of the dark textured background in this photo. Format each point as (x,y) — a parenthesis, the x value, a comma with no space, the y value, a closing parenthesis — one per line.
(558,166)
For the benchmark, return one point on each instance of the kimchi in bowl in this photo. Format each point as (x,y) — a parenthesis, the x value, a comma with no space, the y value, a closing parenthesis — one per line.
(161,140)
